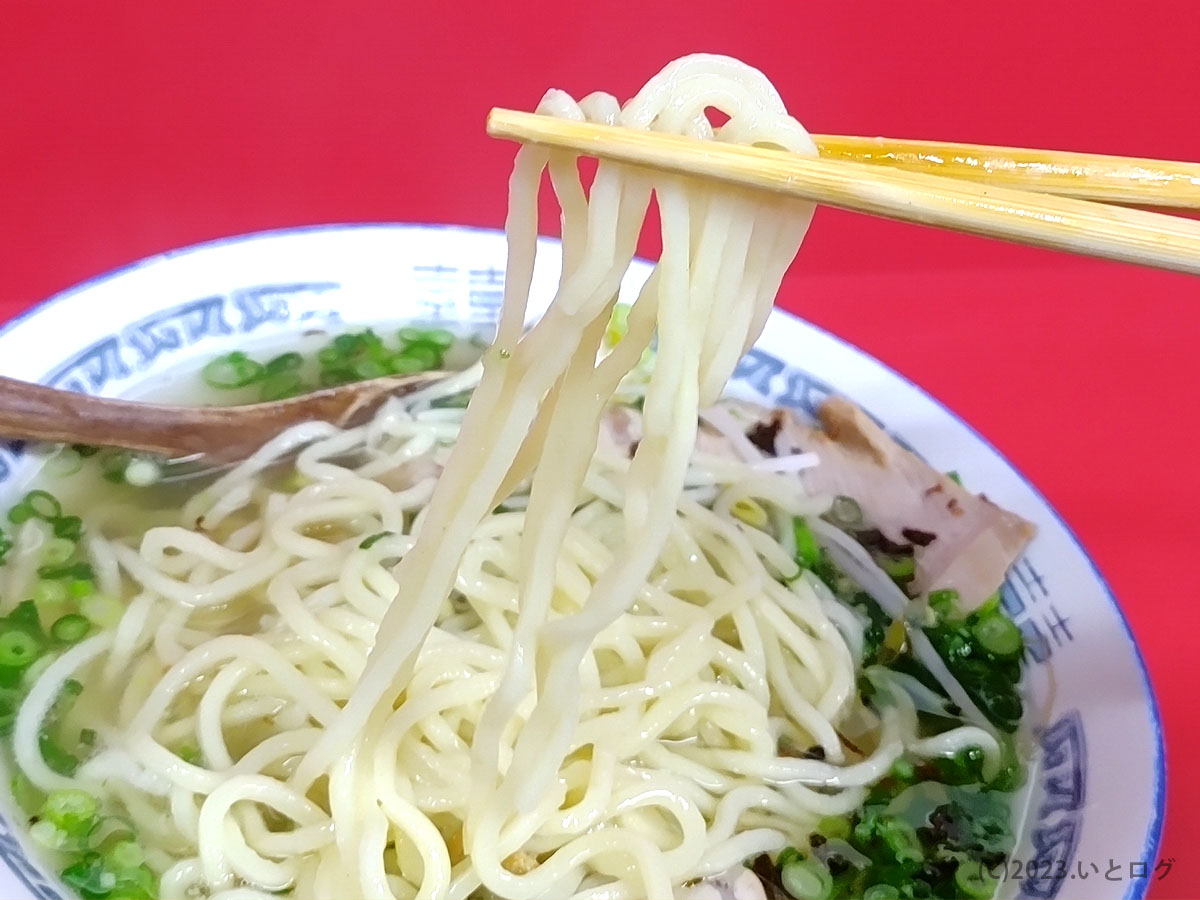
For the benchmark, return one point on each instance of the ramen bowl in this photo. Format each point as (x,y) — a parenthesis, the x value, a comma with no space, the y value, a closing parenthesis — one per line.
(1096,777)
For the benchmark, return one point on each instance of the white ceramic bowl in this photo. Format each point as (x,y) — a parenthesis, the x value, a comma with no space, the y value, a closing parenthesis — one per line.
(1097,801)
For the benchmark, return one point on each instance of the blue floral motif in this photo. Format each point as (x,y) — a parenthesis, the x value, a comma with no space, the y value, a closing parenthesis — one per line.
(1060,816)
(140,345)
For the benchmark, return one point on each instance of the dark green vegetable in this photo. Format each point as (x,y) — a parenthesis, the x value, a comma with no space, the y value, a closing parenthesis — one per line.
(68,527)
(369,542)
(76,571)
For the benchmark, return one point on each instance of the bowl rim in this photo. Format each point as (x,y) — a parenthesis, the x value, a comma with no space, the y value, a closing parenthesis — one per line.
(1153,838)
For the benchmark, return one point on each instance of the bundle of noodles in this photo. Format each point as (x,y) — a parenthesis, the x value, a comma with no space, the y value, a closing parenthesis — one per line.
(584,675)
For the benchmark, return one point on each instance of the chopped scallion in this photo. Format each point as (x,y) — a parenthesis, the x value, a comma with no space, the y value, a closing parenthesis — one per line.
(18,648)
(233,370)
(974,881)
(72,810)
(49,593)
(998,635)
(808,551)
(43,504)
(57,551)
(70,628)
(807,879)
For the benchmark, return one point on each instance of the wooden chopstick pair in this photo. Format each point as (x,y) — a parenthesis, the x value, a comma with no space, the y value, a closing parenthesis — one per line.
(1026,196)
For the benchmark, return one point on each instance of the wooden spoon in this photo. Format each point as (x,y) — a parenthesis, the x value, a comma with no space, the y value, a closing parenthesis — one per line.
(218,434)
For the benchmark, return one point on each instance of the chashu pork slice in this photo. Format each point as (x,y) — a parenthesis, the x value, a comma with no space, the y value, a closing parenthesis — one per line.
(959,540)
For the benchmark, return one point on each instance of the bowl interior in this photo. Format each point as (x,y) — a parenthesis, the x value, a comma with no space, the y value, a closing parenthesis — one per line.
(1090,698)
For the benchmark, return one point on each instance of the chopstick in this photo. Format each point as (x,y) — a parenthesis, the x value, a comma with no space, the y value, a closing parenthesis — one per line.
(1086,176)
(1042,220)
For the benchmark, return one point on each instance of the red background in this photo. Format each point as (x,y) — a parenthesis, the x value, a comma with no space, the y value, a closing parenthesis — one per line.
(127,129)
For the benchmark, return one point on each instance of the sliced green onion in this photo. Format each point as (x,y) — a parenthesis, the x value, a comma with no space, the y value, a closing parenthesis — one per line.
(429,356)
(125,855)
(85,450)
(72,810)
(845,512)
(233,370)
(284,362)
(18,649)
(955,477)
(20,513)
(618,325)
(49,835)
(439,337)
(898,568)
(787,856)
(901,838)
(403,364)
(834,827)
(104,610)
(58,759)
(25,615)
(70,628)
(81,587)
(902,769)
(29,798)
(998,635)
(6,544)
(974,881)
(334,377)
(49,593)
(945,604)
(808,551)
(881,892)
(90,877)
(74,571)
(807,879)
(189,753)
(990,605)
(87,737)
(67,461)
(410,334)
(281,386)
(43,504)
(68,527)
(57,551)
(113,465)
(366,369)
(369,542)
